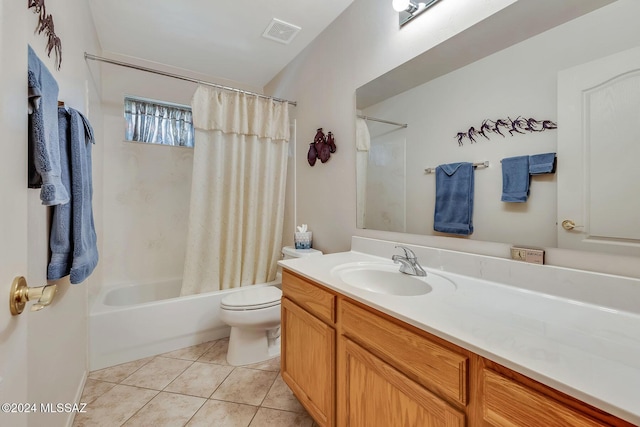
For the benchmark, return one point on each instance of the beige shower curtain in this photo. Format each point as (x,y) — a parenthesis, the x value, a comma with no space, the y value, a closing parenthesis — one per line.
(237,190)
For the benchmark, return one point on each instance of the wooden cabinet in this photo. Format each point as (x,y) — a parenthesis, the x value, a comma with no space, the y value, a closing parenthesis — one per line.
(374,394)
(435,367)
(507,403)
(308,347)
(507,398)
(353,366)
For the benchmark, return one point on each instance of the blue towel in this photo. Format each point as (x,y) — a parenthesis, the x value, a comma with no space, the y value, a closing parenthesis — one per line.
(541,163)
(515,179)
(43,132)
(454,199)
(73,238)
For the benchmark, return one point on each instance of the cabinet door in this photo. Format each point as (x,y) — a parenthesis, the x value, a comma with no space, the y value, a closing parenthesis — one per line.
(372,393)
(307,358)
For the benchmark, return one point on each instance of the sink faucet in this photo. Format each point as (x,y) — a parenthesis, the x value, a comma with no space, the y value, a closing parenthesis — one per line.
(409,262)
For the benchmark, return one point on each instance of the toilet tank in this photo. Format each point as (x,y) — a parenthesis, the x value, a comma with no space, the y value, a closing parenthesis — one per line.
(289,252)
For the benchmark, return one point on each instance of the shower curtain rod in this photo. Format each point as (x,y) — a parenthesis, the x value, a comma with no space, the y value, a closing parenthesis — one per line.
(373,119)
(179,77)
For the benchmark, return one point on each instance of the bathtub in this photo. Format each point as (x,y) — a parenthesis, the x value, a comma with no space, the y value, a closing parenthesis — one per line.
(131,322)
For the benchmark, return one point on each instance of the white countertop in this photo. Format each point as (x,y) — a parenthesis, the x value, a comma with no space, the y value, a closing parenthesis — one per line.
(585,350)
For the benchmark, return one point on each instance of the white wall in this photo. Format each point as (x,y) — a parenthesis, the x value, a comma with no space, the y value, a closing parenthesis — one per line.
(365,42)
(57,335)
(361,44)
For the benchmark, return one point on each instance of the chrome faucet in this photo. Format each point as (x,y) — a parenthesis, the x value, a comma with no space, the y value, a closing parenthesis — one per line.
(409,262)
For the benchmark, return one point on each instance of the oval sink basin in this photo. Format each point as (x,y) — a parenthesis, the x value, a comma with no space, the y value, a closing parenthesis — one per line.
(383,279)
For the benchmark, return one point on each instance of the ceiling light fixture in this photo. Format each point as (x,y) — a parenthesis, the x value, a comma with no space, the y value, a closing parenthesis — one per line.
(409,9)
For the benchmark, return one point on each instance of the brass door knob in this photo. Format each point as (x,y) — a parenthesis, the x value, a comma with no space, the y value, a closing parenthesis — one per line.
(20,293)
(569,225)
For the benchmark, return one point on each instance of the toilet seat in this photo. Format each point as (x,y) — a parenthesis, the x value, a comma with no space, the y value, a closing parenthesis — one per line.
(252,299)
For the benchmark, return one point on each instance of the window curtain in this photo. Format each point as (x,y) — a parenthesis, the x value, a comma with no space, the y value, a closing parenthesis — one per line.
(237,194)
(158,123)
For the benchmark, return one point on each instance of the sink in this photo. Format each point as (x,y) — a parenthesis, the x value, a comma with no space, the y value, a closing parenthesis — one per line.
(384,278)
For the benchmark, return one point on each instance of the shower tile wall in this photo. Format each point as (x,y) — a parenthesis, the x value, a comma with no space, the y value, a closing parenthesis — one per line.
(146,206)
(195,387)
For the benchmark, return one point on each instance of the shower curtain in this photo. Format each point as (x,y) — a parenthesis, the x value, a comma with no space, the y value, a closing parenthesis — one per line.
(363,145)
(237,192)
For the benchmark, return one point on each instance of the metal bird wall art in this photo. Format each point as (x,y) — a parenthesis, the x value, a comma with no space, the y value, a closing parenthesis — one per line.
(501,127)
(45,25)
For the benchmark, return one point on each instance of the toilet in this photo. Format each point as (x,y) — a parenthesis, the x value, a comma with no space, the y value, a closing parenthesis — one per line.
(254,317)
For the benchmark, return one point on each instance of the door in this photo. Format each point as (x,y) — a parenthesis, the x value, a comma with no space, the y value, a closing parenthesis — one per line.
(13,207)
(599,155)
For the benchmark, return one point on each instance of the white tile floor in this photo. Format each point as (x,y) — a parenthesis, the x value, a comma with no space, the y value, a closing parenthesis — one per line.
(193,386)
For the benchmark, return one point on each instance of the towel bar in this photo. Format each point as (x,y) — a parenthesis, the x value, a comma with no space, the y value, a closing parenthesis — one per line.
(484,164)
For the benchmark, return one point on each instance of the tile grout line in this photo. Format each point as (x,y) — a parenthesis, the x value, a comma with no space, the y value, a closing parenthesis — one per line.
(198,356)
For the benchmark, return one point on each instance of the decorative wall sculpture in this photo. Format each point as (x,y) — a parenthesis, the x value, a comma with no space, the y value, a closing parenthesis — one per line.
(321,147)
(45,25)
(501,127)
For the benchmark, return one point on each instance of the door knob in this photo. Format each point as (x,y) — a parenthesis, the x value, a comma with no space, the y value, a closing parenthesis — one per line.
(21,293)
(569,225)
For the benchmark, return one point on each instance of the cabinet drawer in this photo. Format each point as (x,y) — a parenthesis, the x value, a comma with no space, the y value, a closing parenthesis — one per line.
(312,298)
(508,403)
(437,368)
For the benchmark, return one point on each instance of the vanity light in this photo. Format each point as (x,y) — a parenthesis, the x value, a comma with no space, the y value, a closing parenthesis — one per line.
(402,5)
(409,9)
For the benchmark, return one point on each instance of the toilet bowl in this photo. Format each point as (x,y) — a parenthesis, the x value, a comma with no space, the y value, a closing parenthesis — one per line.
(254,317)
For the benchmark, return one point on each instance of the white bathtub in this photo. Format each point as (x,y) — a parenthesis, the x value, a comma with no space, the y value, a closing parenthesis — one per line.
(135,321)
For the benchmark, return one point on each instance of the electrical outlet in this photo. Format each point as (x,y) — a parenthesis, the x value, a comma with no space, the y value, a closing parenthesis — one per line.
(532,255)
(518,254)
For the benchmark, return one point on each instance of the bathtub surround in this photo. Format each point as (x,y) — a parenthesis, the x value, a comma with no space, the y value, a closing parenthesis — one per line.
(139,320)
(237,191)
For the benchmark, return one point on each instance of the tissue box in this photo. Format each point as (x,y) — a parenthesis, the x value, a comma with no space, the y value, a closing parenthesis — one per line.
(302,240)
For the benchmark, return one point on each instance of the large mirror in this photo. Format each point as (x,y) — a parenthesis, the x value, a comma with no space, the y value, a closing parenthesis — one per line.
(421,114)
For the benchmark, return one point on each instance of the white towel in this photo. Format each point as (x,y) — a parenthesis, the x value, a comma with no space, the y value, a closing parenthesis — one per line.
(363,139)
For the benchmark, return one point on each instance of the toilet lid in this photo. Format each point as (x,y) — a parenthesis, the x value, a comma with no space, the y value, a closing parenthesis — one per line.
(252,298)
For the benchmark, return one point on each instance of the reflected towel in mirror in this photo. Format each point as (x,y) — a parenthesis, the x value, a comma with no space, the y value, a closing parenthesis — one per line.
(515,179)
(454,199)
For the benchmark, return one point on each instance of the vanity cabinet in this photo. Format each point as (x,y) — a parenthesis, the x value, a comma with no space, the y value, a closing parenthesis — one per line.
(308,346)
(391,376)
(373,393)
(508,398)
(353,366)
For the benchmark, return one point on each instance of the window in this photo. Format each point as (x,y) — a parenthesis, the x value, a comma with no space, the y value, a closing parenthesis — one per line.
(158,122)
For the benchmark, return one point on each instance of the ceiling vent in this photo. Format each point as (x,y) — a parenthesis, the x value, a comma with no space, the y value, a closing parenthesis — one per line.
(281,31)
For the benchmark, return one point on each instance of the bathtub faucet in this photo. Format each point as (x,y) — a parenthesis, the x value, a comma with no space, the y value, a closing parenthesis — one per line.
(409,262)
